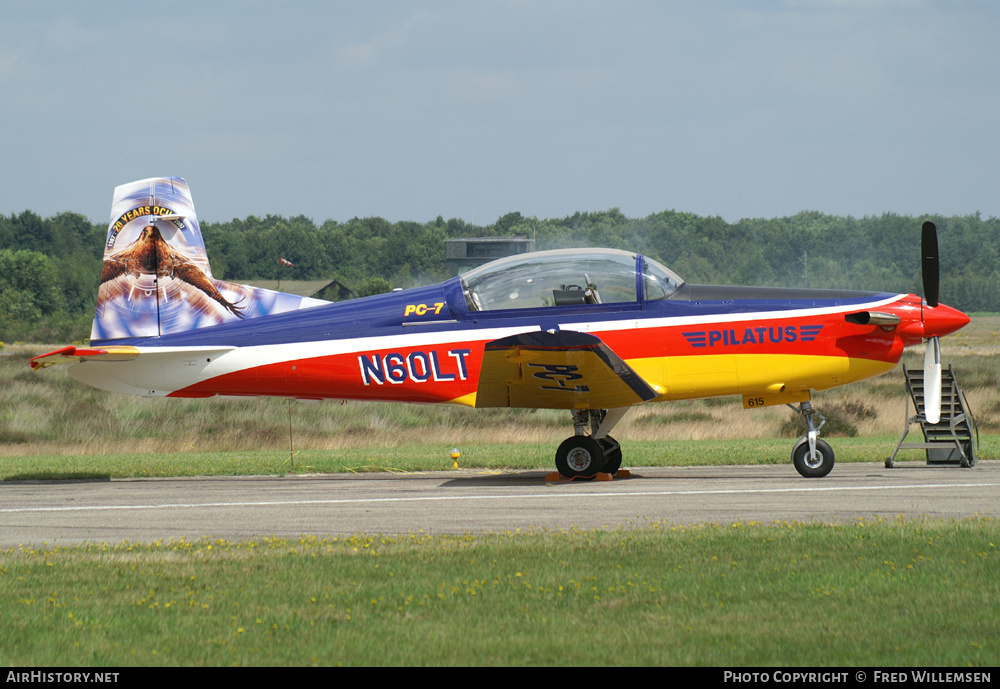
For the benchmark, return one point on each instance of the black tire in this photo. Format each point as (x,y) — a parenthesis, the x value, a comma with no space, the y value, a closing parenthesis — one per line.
(612,454)
(579,457)
(806,466)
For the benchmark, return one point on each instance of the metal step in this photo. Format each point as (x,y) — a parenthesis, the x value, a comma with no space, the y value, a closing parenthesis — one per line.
(954,440)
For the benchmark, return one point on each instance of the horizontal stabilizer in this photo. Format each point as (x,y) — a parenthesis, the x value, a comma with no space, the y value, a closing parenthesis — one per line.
(74,355)
(112,353)
(147,371)
(558,370)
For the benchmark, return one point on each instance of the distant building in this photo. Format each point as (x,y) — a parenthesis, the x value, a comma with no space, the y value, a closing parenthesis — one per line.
(335,291)
(330,290)
(466,253)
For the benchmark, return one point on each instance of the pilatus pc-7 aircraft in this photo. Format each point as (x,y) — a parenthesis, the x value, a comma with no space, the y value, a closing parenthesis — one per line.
(591,331)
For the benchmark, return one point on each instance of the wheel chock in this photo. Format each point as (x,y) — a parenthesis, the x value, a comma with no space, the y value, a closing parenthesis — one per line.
(555,476)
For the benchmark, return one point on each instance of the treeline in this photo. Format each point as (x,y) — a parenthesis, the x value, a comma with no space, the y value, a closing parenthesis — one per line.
(49,272)
(49,268)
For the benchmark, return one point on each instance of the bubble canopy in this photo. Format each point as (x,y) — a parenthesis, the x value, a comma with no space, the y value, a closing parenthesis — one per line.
(567,277)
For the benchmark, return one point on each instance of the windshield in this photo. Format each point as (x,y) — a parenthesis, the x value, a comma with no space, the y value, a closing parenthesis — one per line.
(659,282)
(552,278)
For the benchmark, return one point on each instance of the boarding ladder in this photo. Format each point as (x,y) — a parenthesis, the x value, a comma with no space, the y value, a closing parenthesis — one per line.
(955,438)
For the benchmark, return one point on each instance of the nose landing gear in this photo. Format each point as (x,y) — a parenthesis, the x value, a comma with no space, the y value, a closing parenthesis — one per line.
(812,457)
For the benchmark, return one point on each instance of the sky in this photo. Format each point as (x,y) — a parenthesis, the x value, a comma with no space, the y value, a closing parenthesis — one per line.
(412,110)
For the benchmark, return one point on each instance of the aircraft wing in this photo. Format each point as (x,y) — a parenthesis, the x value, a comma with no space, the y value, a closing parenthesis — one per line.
(558,370)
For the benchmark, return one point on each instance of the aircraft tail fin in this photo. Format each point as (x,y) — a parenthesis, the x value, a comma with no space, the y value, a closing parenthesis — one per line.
(156,278)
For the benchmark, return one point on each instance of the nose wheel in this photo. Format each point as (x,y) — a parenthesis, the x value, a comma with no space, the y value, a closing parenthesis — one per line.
(813,464)
(812,457)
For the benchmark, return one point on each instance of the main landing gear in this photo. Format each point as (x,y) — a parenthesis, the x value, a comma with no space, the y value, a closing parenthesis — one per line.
(584,456)
(812,457)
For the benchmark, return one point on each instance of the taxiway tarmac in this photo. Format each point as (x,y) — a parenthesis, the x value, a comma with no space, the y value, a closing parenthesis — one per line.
(476,501)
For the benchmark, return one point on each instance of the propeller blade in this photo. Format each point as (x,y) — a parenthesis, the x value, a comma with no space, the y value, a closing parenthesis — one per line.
(929,262)
(932,381)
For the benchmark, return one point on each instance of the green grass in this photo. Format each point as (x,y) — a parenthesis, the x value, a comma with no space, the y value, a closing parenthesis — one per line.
(899,593)
(432,457)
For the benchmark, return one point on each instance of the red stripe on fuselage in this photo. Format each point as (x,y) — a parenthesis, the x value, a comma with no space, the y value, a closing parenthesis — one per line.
(410,374)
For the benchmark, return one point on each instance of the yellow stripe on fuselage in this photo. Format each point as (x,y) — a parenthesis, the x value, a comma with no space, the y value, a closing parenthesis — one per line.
(716,375)
(719,375)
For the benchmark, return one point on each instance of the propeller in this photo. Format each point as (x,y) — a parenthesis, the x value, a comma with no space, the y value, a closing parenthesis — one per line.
(932,381)
(929,262)
(932,359)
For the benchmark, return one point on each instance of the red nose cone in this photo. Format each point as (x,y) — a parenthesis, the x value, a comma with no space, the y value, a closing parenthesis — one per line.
(942,320)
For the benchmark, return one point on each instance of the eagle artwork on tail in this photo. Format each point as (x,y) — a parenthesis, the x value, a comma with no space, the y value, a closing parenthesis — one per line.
(151,255)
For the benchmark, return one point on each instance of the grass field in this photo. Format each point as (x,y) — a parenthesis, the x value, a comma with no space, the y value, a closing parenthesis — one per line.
(883,593)
(411,456)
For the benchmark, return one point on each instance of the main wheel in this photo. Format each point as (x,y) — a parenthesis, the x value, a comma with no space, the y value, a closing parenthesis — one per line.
(612,454)
(809,467)
(579,457)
